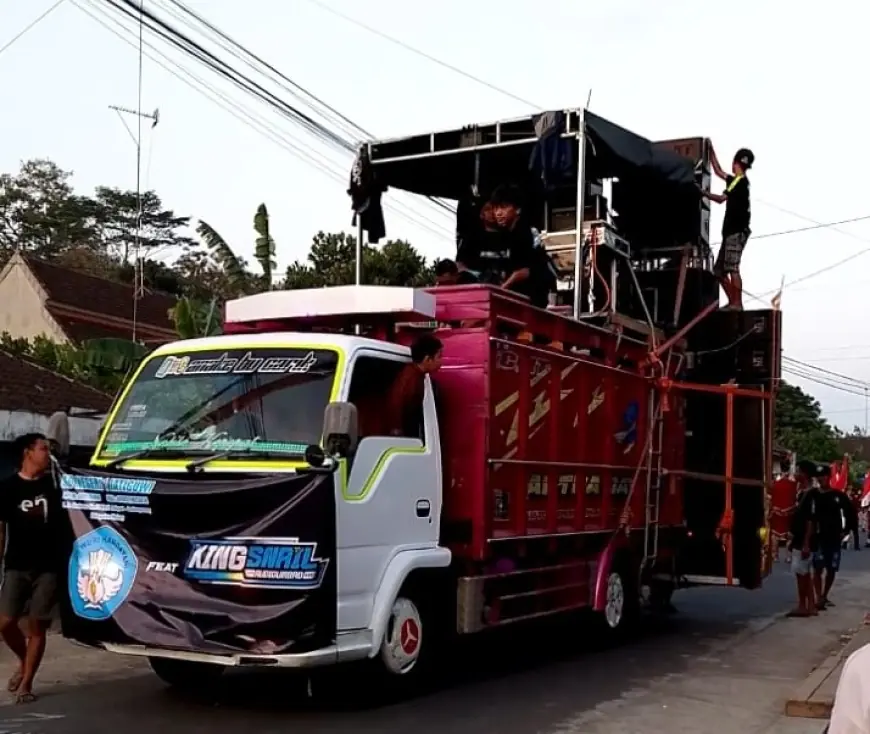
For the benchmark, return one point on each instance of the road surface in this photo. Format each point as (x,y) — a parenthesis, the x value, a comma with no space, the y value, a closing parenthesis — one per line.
(725,663)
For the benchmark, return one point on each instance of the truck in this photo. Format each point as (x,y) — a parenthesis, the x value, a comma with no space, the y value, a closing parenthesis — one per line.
(243,510)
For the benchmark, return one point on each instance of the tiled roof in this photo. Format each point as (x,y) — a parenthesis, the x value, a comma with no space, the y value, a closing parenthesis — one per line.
(79,290)
(79,330)
(25,386)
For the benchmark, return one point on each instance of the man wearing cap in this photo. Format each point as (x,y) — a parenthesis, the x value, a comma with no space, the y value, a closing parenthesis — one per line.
(735,225)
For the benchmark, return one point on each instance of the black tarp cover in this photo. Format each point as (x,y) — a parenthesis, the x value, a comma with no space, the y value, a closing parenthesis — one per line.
(612,151)
(619,153)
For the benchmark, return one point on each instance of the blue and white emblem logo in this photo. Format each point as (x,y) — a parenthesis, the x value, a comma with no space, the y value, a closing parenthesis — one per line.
(102,569)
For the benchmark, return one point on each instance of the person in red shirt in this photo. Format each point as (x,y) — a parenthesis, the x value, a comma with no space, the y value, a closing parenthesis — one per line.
(405,399)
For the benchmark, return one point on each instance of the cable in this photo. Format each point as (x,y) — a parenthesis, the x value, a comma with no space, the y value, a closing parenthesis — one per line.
(423,54)
(808,365)
(811,378)
(295,89)
(171,35)
(30,26)
(235,109)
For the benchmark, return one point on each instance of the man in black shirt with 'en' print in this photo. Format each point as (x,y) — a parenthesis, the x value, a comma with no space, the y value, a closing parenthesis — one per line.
(735,225)
(32,532)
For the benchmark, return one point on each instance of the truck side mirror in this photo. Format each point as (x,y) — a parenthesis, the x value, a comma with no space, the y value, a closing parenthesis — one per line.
(340,429)
(58,434)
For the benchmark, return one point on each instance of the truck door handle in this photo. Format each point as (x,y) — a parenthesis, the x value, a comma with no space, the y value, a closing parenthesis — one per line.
(424,508)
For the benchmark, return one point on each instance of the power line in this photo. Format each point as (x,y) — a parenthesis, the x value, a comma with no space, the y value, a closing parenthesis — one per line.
(256,123)
(831,373)
(423,54)
(30,26)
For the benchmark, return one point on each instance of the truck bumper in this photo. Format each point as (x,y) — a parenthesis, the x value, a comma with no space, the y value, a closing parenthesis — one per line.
(349,646)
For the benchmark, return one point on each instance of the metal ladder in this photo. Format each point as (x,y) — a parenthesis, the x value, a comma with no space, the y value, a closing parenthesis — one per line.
(654,468)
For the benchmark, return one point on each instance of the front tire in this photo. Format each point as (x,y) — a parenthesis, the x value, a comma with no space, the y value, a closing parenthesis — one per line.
(184,675)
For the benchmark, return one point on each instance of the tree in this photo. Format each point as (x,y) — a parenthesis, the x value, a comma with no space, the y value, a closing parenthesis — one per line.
(332,261)
(800,426)
(116,216)
(40,213)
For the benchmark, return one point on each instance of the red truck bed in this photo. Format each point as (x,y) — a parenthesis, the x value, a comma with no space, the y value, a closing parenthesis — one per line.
(542,441)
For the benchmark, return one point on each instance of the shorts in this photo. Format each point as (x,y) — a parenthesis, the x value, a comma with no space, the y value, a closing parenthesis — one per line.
(827,559)
(799,566)
(32,592)
(730,254)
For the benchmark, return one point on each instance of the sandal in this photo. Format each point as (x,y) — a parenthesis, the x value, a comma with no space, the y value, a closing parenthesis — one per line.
(14,681)
(25,697)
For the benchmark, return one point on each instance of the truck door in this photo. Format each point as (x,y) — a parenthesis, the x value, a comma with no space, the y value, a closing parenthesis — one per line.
(390,495)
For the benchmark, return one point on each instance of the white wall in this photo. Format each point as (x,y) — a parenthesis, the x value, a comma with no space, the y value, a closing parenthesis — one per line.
(82,431)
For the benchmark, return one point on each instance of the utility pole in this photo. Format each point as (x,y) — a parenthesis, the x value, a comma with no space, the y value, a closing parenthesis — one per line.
(866,409)
(138,266)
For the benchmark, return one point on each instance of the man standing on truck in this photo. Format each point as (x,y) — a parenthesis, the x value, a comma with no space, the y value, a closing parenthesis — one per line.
(735,225)
(404,403)
(834,507)
(31,514)
(803,540)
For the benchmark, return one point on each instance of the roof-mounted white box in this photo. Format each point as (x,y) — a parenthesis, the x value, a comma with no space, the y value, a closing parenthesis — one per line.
(360,301)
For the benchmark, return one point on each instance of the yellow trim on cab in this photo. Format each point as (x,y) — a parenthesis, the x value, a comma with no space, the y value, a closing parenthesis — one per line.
(168,351)
(375,473)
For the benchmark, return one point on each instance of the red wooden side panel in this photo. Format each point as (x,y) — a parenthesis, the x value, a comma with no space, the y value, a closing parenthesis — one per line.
(538,441)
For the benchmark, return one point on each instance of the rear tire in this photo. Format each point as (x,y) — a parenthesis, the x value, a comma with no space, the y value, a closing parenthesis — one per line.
(184,675)
(622,602)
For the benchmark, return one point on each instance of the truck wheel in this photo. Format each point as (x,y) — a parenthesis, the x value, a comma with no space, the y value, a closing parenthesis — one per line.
(405,648)
(622,605)
(185,675)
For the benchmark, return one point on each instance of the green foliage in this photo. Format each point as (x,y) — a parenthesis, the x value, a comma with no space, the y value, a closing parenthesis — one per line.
(40,214)
(102,363)
(800,426)
(332,261)
(194,318)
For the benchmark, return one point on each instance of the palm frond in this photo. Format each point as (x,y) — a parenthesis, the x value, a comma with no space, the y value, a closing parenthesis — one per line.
(223,254)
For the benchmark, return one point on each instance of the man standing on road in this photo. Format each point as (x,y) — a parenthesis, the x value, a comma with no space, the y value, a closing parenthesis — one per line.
(30,514)
(803,539)
(833,507)
(735,225)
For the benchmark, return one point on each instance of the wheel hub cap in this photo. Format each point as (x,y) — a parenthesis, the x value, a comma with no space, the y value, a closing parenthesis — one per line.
(401,647)
(615,600)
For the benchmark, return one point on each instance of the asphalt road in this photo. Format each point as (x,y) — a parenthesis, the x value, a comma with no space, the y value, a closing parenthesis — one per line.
(554,679)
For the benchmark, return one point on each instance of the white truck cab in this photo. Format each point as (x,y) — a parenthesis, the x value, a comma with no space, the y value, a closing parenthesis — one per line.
(387,488)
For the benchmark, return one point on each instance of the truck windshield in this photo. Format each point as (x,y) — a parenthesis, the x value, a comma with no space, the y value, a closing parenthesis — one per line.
(265,399)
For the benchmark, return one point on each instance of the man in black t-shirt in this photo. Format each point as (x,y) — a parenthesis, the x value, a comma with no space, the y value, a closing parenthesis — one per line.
(735,225)
(503,251)
(834,508)
(31,514)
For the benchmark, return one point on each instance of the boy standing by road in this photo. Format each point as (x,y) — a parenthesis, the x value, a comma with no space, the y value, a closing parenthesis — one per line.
(30,535)
(735,225)
(803,540)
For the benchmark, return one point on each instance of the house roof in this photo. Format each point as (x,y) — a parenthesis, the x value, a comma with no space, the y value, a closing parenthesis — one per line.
(72,289)
(26,386)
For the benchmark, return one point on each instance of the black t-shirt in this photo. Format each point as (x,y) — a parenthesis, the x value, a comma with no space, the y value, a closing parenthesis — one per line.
(737,207)
(32,511)
(831,507)
(805,512)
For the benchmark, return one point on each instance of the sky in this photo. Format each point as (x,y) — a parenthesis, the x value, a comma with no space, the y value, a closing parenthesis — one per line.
(764,74)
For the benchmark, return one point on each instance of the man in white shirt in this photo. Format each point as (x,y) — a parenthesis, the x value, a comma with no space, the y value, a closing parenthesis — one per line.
(851,714)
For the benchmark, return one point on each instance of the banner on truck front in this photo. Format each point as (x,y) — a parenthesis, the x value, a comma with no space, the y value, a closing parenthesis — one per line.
(203,565)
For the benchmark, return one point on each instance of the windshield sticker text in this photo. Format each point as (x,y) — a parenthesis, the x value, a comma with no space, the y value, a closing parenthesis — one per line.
(106,498)
(227,365)
(278,563)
